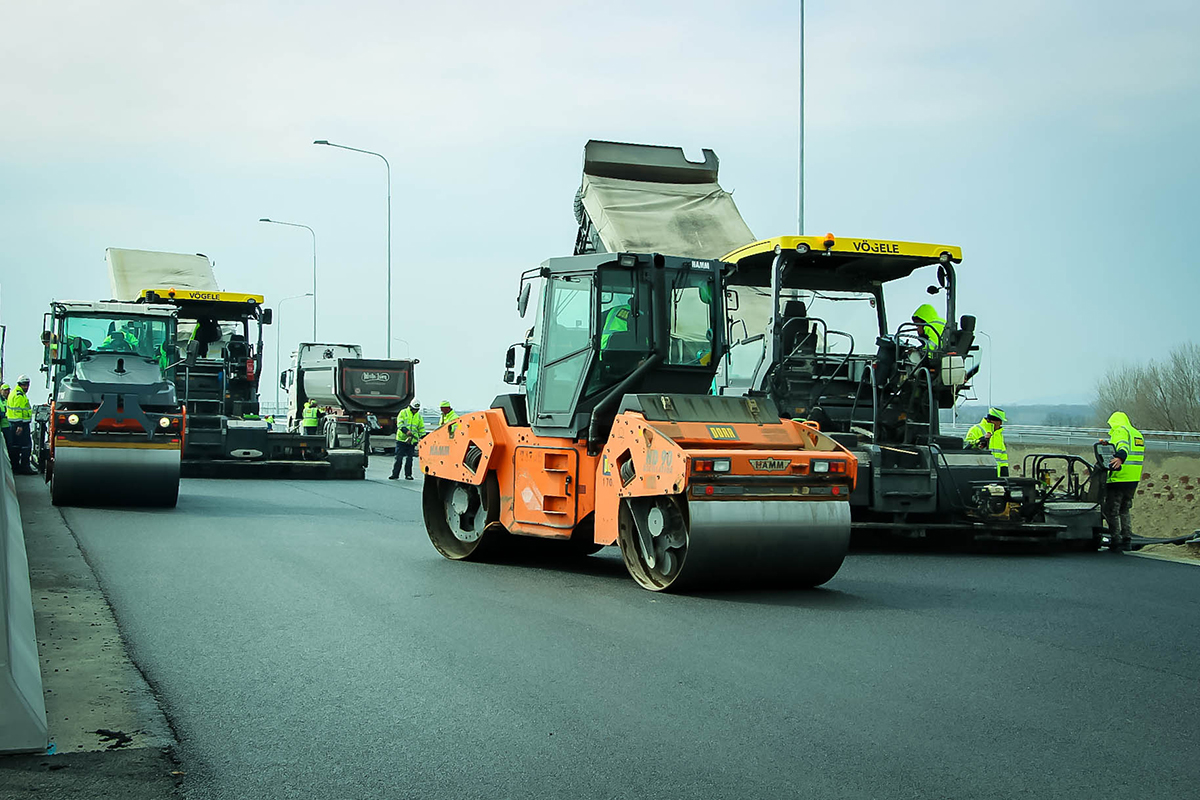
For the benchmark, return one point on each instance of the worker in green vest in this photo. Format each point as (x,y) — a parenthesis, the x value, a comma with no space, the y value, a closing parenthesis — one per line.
(20,418)
(1125,470)
(311,418)
(410,427)
(988,434)
(5,427)
(616,320)
(119,340)
(929,327)
(448,415)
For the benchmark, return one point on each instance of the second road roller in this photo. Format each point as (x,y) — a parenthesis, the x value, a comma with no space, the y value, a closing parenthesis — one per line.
(115,428)
(613,438)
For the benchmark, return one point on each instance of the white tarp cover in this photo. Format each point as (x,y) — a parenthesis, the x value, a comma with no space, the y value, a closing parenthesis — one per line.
(132,271)
(698,220)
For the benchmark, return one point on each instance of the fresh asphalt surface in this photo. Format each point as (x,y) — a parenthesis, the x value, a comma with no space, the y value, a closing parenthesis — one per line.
(306,640)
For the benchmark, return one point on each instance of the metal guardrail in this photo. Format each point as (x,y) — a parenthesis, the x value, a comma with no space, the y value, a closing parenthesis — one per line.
(1156,441)
(22,706)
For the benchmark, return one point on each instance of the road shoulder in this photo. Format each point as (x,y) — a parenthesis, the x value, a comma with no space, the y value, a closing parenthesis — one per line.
(107,731)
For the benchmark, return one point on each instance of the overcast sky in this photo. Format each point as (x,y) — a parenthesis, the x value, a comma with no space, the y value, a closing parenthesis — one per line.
(1055,142)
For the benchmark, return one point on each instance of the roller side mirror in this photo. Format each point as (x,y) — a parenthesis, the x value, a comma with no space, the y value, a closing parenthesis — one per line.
(193,352)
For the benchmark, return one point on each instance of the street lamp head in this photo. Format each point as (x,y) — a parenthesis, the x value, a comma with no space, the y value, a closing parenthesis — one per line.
(320,141)
(264,219)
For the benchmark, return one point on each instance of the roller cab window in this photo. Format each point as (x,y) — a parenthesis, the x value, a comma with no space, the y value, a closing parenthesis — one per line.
(692,318)
(88,337)
(624,323)
(565,351)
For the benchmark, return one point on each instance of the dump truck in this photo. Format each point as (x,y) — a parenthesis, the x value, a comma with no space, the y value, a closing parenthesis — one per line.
(359,397)
(614,440)
(113,434)
(810,327)
(226,435)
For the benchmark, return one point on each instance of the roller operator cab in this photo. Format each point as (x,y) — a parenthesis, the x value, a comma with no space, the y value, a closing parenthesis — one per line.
(614,438)
(115,428)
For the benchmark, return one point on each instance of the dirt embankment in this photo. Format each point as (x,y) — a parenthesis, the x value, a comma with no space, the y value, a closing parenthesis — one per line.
(1168,497)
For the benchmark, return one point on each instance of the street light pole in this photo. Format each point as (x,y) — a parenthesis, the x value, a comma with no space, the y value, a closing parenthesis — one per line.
(314,244)
(387,166)
(991,364)
(800,186)
(278,349)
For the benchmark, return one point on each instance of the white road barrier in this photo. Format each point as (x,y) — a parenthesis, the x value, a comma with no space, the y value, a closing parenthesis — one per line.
(22,706)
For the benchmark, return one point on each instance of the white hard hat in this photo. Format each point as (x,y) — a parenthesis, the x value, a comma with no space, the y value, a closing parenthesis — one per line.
(22,379)
(416,404)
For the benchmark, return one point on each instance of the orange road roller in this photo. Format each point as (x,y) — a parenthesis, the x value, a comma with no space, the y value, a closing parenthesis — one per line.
(615,440)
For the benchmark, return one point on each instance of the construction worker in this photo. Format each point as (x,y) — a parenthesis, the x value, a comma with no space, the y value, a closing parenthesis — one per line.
(448,415)
(988,434)
(410,427)
(5,427)
(119,340)
(616,320)
(1125,472)
(20,418)
(310,420)
(929,327)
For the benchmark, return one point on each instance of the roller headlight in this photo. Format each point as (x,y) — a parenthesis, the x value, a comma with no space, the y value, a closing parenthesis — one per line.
(164,422)
(73,419)
(820,466)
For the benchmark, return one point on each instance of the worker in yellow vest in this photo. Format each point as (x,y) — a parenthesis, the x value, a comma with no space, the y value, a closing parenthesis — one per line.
(988,434)
(448,415)
(311,419)
(410,427)
(929,327)
(5,427)
(1125,472)
(20,419)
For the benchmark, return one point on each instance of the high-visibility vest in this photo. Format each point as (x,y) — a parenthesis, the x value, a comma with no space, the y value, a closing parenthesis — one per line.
(125,336)
(615,321)
(415,423)
(310,416)
(933,327)
(3,413)
(974,438)
(18,409)
(449,416)
(1129,439)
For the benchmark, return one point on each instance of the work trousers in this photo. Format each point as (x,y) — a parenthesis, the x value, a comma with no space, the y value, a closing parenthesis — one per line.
(22,446)
(1118,501)
(405,452)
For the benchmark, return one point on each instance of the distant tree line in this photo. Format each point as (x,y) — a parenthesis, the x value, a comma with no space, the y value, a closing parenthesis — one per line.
(1157,396)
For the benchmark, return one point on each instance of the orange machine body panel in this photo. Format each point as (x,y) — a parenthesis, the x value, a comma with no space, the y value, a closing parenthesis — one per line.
(548,486)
